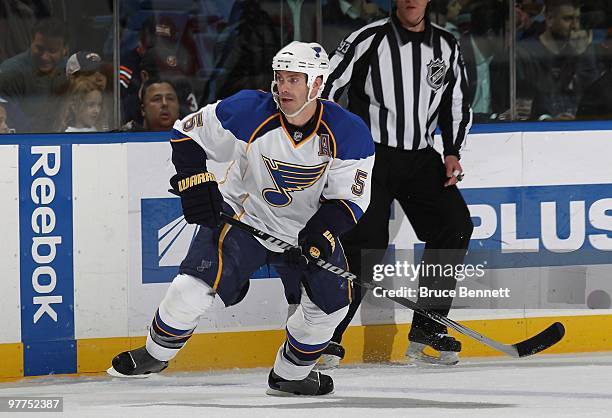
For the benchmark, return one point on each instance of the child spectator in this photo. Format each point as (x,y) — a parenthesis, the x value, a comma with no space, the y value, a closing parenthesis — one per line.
(89,65)
(83,109)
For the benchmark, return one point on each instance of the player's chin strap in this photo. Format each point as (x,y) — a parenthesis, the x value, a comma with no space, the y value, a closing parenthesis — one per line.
(275,95)
(533,345)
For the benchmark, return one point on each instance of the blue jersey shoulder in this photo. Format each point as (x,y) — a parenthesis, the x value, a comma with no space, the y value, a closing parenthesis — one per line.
(353,137)
(245,111)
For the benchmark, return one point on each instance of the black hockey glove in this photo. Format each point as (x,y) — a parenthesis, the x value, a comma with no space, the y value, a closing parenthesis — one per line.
(200,197)
(315,242)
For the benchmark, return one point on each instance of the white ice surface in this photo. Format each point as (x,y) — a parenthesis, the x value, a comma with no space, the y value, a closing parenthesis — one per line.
(543,386)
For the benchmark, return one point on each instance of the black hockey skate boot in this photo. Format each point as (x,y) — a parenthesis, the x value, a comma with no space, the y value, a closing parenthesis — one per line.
(315,384)
(136,363)
(447,346)
(331,356)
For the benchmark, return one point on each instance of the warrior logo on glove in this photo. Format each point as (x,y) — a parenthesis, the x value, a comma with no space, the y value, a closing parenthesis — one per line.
(200,198)
(194,180)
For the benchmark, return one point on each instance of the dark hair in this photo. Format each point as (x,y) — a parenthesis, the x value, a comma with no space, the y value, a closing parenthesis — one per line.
(51,28)
(554,5)
(487,16)
(152,81)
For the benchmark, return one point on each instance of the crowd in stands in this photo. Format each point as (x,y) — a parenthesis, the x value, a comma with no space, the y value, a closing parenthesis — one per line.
(173,61)
(562,56)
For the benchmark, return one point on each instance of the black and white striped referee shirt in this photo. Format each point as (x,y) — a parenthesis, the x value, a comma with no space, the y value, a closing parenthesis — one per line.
(404,84)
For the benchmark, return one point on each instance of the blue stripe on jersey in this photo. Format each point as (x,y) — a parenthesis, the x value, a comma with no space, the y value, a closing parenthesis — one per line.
(354,208)
(353,138)
(244,112)
(306,348)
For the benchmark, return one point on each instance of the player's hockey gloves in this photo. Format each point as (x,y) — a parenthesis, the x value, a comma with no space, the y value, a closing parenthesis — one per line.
(200,197)
(319,237)
(316,242)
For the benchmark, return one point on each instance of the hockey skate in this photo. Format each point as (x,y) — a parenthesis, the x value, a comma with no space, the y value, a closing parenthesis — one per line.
(136,363)
(447,346)
(330,359)
(315,384)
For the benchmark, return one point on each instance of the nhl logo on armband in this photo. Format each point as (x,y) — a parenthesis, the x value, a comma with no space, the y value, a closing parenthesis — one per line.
(436,70)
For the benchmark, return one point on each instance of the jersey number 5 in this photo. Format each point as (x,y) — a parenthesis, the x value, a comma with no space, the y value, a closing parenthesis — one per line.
(359,184)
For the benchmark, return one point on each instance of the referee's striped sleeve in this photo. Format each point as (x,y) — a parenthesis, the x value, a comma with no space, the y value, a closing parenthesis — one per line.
(344,58)
(455,110)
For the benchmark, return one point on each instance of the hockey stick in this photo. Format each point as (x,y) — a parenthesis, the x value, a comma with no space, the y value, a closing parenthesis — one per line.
(539,342)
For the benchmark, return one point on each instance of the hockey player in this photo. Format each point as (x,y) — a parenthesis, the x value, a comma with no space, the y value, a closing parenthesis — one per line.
(300,170)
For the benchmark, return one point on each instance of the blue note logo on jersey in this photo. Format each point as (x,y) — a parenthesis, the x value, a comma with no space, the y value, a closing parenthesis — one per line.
(289,178)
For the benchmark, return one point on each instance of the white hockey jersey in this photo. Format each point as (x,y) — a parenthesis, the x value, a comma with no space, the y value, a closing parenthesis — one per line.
(279,176)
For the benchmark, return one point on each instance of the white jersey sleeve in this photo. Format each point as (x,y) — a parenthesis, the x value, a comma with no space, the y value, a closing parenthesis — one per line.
(350,172)
(206,129)
(225,128)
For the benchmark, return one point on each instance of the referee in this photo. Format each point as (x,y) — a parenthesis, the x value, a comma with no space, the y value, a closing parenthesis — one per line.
(405,77)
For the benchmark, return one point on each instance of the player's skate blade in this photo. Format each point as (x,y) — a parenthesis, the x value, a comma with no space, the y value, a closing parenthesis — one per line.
(136,363)
(315,384)
(416,353)
(330,359)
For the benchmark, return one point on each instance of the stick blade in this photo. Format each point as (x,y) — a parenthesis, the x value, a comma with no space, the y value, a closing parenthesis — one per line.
(540,342)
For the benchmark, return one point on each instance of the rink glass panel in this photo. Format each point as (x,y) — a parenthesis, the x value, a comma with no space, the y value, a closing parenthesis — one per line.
(225,46)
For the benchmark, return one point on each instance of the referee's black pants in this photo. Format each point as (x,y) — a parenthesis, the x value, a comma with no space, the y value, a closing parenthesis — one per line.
(438,214)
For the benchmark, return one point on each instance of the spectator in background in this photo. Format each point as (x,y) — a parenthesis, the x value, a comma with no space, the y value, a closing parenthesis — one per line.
(174,55)
(159,108)
(14,118)
(31,78)
(250,43)
(341,17)
(154,32)
(596,102)
(464,18)
(17,18)
(554,68)
(486,61)
(4,129)
(452,14)
(355,11)
(83,107)
(162,63)
(530,20)
(444,13)
(89,65)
